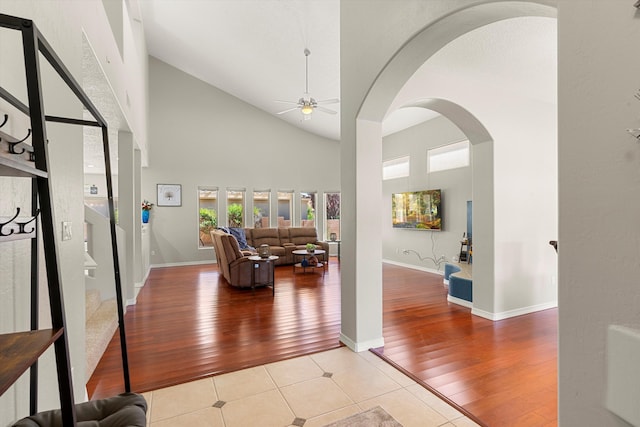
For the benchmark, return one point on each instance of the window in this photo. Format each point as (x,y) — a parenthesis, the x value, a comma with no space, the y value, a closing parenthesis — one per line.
(285,208)
(449,156)
(332,216)
(308,209)
(261,208)
(208,214)
(235,208)
(395,168)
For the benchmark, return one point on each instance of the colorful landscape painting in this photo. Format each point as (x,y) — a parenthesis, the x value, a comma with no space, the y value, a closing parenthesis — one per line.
(418,210)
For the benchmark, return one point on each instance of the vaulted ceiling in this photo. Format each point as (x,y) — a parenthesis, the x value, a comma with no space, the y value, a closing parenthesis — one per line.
(253,49)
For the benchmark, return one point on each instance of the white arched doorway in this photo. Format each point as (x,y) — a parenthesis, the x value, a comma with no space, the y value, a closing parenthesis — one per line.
(361,130)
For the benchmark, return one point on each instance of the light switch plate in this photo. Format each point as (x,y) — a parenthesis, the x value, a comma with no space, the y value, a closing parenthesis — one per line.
(66,230)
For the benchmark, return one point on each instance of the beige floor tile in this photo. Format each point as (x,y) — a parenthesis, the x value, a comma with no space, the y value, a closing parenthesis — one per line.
(311,398)
(331,417)
(148,396)
(464,422)
(340,359)
(391,372)
(245,383)
(267,409)
(293,371)
(208,417)
(181,399)
(364,381)
(406,408)
(448,411)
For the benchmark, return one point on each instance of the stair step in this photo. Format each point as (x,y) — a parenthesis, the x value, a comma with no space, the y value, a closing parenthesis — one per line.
(99,330)
(92,302)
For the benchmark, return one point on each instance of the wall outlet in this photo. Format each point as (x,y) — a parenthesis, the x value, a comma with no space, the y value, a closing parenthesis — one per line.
(66,230)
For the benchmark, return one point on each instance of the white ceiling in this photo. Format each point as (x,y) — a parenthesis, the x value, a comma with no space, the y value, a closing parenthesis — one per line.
(253,49)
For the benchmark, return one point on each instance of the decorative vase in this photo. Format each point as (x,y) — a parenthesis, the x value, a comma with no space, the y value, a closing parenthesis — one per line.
(333,237)
(264,251)
(145,216)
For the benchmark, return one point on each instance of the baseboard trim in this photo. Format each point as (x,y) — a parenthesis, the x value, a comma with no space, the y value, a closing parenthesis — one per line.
(460,301)
(362,346)
(414,267)
(514,313)
(181,264)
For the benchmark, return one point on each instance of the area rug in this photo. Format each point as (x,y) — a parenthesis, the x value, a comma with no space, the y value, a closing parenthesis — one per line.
(374,417)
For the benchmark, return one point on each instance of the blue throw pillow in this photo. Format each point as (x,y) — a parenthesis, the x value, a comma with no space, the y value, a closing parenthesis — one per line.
(238,233)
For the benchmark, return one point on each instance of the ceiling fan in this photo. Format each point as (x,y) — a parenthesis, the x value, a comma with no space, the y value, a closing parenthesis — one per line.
(307,104)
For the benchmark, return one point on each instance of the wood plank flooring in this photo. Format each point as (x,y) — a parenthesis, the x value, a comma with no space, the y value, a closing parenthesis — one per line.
(503,373)
(189,324)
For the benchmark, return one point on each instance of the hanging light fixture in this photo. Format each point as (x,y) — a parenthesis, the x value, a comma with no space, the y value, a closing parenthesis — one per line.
(307,108)
(308,104)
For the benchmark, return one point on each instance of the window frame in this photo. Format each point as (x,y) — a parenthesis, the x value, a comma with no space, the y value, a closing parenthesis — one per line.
(395,162)
(443,150)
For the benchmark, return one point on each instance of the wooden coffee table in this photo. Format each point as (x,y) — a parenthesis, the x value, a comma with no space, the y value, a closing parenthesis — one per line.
(304,254)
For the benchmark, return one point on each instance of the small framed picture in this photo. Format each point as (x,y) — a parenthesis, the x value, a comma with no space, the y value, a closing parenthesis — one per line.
(169,195)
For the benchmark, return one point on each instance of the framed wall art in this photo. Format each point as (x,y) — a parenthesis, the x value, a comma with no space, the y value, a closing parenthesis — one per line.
(169,195)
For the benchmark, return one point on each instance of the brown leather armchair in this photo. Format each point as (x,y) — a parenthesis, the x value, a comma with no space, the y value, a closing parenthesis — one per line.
(234,265)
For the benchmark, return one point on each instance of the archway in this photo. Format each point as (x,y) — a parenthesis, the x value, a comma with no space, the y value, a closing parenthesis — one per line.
(362,285)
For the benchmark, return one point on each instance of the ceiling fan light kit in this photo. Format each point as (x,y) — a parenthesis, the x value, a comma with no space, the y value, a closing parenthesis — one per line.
(307,104)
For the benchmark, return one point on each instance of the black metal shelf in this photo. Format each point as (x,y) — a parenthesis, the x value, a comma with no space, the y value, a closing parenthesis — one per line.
(17,158)
(20,351)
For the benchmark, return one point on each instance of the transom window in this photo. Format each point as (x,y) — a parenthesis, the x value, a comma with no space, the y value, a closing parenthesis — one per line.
(395,168)
(450,156)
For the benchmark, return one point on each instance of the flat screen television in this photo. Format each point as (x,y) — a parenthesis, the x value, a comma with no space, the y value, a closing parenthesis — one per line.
(417,210)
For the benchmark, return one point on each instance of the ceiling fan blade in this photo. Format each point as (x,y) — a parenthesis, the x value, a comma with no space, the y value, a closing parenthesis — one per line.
(326,110)
(328,101)
(286,102)
(287,110)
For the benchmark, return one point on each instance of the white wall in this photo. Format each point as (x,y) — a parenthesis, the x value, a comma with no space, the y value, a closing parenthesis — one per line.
(378,55)
(456,191)
(62,23)
(523,128)
(205,137)
(599,184)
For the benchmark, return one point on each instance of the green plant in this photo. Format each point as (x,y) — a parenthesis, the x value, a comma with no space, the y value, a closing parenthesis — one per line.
(257,217)
(234,213)
(311,213)
(208,220)
(310,247)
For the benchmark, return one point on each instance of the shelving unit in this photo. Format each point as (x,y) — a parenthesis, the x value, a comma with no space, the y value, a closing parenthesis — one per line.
(19,351)
(464,251)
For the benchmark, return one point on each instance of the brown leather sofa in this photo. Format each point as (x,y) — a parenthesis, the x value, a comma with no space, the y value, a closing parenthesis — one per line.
(283,241)
(235,265)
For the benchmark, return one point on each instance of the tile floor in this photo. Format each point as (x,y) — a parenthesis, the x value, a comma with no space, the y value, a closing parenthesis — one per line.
(307,391)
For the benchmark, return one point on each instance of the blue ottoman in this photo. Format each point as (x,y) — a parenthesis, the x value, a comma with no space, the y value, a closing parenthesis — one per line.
(461,288)
(448,270)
